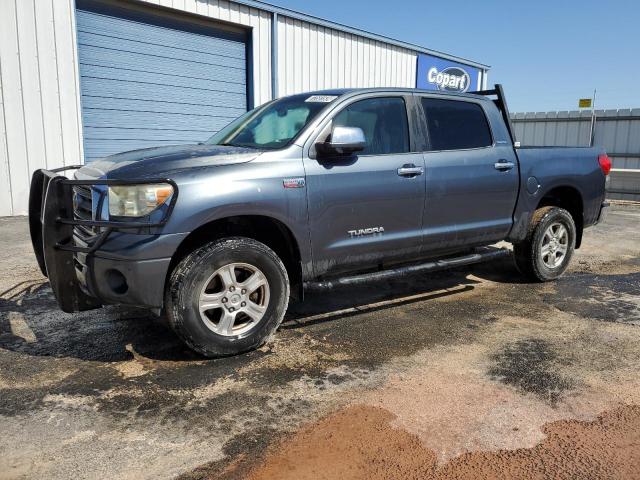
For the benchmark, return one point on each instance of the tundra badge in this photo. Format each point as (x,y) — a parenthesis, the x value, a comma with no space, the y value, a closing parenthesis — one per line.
(365,231)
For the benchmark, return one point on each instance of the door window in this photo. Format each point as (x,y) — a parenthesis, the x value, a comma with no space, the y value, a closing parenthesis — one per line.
(383,121)
(456,125)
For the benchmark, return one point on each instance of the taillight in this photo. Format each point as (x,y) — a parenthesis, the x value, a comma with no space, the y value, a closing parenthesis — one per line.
(605,163)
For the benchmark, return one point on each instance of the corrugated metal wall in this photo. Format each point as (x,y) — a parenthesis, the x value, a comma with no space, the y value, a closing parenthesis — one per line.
(146,83)
(258,20)
(40,117)
(40,110)
(618,131)
(314,57)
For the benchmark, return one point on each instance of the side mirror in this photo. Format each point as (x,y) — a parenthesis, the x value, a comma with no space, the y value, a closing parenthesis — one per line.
(344,141)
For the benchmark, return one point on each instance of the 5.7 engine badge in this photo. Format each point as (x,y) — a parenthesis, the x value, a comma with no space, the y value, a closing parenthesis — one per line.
(293,182)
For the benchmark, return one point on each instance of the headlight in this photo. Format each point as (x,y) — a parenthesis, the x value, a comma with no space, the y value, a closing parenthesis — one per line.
(138,200)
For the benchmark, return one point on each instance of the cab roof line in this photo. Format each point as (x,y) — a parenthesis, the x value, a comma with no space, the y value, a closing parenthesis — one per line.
(355,91)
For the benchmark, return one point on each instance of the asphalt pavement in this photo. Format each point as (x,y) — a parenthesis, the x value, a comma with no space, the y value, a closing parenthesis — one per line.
(445,375)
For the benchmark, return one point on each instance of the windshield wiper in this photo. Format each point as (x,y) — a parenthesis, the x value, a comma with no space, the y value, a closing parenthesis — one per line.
(240,145)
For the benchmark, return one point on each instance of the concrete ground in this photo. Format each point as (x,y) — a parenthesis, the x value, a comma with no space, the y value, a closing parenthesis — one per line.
(462,374)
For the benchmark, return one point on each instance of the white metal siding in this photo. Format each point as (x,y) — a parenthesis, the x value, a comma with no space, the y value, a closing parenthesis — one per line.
(313,57)
(39,93)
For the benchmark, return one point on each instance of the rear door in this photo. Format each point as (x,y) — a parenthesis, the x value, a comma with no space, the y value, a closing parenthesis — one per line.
(471,177)
(367,208)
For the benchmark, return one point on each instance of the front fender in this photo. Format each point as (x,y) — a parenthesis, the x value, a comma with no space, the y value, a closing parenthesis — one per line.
(256,188)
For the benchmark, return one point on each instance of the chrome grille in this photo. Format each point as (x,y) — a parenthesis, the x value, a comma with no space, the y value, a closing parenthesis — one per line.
(82,236)
(82,207)
(82,202)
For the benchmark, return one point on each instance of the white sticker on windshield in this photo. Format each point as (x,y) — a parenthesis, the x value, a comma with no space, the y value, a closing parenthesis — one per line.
(321,98)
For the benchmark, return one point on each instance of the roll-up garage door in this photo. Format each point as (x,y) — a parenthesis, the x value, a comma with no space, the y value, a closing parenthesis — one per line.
(149,79)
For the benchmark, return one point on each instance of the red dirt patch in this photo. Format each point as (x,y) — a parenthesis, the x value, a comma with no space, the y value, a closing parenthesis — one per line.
(353,443)
(359,443)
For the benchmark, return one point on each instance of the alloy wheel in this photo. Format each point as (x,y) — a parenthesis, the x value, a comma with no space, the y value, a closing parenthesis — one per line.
(234,299)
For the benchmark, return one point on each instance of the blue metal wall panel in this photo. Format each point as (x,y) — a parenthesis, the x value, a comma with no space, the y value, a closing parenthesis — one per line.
(144,84)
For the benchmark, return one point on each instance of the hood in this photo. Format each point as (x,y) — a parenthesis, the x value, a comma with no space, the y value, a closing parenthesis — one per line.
(159,162)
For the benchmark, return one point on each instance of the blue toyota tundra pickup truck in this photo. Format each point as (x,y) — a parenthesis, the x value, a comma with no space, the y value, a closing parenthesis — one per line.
(312,191)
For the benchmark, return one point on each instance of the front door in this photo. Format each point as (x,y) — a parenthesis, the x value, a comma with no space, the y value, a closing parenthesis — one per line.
(471,177)
(367,208)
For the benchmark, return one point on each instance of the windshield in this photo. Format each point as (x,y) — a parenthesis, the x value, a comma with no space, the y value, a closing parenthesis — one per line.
(273,125)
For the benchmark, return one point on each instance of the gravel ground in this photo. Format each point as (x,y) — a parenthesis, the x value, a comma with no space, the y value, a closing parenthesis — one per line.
(462,374)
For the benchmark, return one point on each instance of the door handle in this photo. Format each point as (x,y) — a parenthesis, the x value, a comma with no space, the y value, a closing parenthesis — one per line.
(410,170)
(503,165)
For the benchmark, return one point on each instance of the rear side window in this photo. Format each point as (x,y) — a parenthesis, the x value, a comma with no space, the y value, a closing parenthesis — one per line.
(456,125)
(383,121)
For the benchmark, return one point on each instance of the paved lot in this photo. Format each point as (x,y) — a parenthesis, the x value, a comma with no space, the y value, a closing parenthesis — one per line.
(453,375)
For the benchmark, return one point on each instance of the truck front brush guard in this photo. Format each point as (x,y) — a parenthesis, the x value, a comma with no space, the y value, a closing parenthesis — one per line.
(51,222)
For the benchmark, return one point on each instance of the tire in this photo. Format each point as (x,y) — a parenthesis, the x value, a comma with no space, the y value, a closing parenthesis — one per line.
(541,264)
(211,312)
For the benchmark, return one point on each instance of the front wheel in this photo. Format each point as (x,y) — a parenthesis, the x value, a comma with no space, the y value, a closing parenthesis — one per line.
(227,297)
(546,252)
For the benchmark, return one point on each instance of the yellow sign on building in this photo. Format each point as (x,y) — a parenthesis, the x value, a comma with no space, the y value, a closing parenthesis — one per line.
(584,103)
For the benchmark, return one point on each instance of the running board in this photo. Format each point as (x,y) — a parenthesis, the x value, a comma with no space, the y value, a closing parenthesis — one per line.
(479,255)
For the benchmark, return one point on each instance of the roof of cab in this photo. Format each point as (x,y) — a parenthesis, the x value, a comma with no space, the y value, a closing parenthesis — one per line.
(354,91)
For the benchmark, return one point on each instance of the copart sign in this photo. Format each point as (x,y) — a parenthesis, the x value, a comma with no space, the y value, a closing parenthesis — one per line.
(439,74)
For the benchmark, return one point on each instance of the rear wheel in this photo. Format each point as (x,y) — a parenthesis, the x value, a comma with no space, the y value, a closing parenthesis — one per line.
(546,252)
(227,297)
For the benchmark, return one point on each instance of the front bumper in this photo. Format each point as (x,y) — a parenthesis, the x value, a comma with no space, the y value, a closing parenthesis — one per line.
(138,282)
(91,262)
